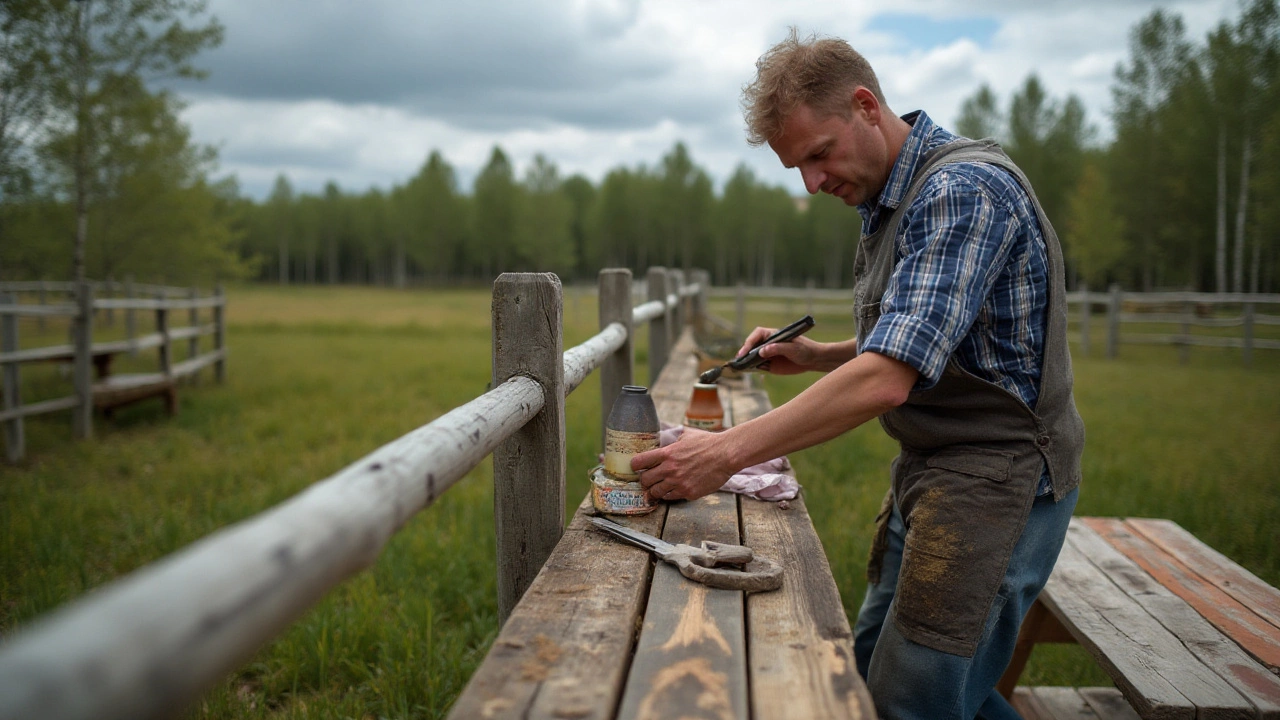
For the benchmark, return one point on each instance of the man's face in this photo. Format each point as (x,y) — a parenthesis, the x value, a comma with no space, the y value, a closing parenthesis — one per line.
(845,158)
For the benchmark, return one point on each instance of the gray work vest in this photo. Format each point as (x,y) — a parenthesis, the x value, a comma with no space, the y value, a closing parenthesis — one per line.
(963,409)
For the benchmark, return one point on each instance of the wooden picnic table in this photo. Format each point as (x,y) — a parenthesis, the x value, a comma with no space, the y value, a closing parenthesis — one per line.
(603,632)
(1182,630)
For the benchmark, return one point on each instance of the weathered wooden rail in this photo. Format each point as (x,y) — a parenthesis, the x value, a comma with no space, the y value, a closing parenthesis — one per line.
(1186,310)
(148,644)
(108,391)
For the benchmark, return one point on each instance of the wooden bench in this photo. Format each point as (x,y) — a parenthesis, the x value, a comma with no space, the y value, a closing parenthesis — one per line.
(1182,630)
(604,633)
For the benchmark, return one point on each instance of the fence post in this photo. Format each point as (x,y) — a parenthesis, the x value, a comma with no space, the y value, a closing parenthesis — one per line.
(130,316)
(82,421)
(1188,313)
(166,342)
(15,441)
(44,299)
(220,334)
(109,291)
(740,310)
(808,296)
(1247,355)
(528,468)
(701,300)
(658,331)
(1086,309)
(615,307)
(676,280)
(1113,321)
(193,344)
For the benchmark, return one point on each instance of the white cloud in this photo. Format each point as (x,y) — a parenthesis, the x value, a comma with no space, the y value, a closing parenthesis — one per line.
(360,94)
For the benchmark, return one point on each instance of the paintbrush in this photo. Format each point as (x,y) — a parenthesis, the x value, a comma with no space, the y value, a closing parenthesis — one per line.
(752,357)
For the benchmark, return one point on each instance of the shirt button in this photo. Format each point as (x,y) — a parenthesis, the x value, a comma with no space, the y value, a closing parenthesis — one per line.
(1043,441)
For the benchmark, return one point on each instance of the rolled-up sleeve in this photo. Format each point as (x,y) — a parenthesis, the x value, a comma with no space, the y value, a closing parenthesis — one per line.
(952,245)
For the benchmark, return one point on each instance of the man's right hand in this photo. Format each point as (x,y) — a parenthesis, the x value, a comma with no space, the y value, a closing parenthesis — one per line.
(785,358)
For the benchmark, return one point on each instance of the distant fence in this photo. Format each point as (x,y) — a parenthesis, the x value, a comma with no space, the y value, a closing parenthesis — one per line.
(150,643)
(1185,311)
(80,304)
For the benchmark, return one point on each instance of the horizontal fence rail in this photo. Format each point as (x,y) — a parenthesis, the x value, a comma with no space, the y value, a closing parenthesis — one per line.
(148,644)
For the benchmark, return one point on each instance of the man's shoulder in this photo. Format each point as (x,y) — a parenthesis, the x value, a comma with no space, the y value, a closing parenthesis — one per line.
(975,181)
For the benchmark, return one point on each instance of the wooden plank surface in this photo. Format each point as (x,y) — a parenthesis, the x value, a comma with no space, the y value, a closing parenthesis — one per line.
(565,649)
(1212,565)
(802,662)
(1160,677)
(1190,621)
(690,661)
(1067,703)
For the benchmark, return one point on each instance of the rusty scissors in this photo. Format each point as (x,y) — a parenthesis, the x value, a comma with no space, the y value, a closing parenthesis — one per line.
(703,564)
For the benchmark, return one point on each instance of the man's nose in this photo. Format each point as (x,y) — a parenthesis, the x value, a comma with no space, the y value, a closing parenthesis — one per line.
(813,179)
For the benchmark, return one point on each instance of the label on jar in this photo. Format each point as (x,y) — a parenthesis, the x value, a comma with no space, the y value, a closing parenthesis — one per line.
(620,447)
(713,424)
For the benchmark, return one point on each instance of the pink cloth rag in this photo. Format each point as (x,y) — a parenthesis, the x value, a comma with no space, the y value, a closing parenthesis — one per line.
(770,480)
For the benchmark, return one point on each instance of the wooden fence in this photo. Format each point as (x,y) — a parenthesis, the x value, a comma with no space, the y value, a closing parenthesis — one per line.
(80,305)
(1185,311)
(148,644)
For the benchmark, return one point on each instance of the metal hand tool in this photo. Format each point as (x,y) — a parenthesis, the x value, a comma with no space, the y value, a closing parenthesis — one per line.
(702,564)
(752,357)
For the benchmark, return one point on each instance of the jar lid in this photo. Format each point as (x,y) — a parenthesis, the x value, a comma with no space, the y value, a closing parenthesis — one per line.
(635,389)
(705,386)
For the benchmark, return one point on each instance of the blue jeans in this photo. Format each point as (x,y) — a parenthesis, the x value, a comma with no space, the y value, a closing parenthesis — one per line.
(911,681)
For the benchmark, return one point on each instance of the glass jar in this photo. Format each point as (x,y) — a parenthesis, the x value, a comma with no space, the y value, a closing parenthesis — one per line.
(705,411)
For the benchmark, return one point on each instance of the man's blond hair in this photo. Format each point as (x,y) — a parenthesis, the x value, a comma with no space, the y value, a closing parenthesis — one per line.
(820,72)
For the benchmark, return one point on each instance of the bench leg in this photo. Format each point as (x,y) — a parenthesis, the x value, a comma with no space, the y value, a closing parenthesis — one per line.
(1038,626)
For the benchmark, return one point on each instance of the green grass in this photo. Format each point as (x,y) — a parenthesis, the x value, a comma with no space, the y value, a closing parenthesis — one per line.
(318,378)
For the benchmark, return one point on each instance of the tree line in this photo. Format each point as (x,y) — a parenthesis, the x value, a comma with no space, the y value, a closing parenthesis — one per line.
(1182,195)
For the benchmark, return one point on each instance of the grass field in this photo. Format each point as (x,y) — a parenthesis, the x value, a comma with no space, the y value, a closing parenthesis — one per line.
(318,378)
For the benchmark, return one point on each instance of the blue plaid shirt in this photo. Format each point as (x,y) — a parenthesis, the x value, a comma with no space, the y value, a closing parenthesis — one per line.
(971,279)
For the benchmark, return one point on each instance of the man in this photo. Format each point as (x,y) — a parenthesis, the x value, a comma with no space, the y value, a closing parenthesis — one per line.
(960,351)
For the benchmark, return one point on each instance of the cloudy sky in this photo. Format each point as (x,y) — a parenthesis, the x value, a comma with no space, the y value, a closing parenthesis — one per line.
(361,92)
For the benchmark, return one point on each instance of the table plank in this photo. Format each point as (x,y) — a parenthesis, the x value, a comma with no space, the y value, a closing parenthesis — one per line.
(1159,676)
(1215,567)
(691,658)
(565,650)
(1186,621)
(802,662)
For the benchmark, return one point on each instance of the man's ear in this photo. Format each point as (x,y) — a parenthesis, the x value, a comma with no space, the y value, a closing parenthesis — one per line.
(864,103)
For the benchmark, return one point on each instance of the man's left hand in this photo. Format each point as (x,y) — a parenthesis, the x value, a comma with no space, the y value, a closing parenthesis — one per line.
(687,469)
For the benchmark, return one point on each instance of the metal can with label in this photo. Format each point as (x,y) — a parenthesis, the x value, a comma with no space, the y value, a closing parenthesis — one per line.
(616,496)
(631,429)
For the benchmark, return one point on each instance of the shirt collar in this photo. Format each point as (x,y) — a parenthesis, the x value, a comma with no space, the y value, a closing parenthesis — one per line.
(913,150)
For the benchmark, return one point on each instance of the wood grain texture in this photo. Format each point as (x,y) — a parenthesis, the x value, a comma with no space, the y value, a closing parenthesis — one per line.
(565,649)
(528,467)
(802,662)
(660,340)
(1160,677)
(1212,565)
(614,292)
(1066,703)
(691,659)
(1108,703)
(1190,622)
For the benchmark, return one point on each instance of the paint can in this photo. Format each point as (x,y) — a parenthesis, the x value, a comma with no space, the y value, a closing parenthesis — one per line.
(616,496)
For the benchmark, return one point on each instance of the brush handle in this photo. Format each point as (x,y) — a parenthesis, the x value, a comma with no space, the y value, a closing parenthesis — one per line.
(787,334)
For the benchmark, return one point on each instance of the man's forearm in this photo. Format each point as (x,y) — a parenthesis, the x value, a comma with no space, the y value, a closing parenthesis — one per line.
(851,394)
